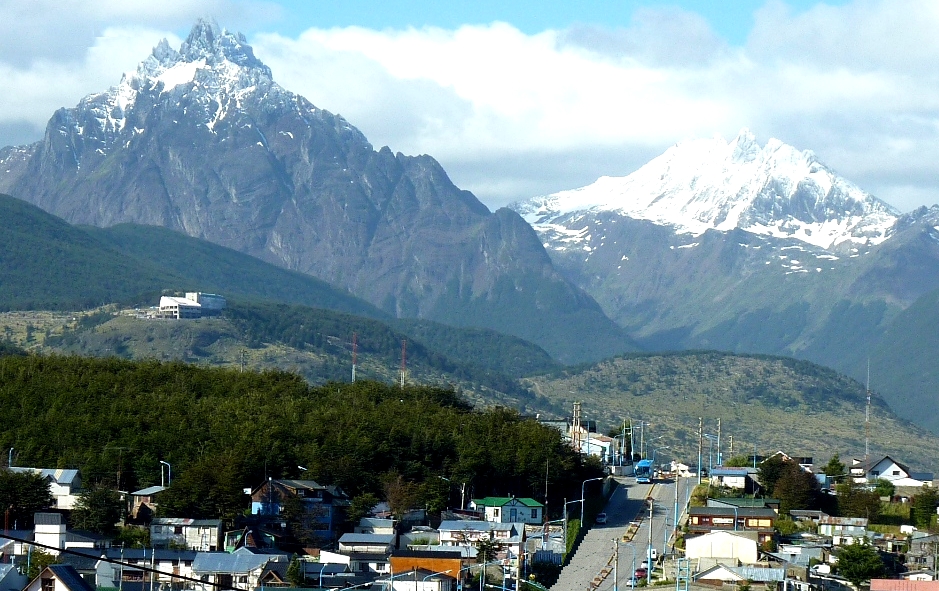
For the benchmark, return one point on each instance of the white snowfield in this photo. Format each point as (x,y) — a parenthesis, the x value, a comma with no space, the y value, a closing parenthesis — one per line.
(699,185)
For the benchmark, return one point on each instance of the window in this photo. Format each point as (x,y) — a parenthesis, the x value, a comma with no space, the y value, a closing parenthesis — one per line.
(534,513)
(495,512)
(896,472)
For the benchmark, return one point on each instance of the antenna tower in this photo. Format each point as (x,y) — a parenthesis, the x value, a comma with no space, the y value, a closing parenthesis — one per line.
(575,428)
(404,361)
(867,422)
(355,351)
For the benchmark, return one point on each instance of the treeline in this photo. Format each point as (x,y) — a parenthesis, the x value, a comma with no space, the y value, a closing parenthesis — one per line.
(222,430)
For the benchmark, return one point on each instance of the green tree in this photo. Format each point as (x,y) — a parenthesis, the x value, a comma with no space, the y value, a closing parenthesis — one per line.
(884,488)
(737,462)
(38,561)
(924,506)
(487,549)
(295,573)
(795,488)
(859,562)
(834,468)
(769,471)
(23,493)
(855,500)
(98,509)
(360,507)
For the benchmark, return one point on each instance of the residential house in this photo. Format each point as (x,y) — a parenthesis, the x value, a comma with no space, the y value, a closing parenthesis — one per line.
(509,509)
(375,525)
(64,484)
(510,537)
(898,474)
(706,519)
(922,552)
(240,570)
(321,505)
(735,478)
(50,530)
(919,575)
(368,553)
(843,530)
(728,547)
(204,535)
(59,577)
(144,503)
(420,535)
(419,579)
(125,568)
(450,562)
(744,502)
(770,577)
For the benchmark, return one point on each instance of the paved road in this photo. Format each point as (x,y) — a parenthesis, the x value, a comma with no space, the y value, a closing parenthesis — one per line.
(628,503)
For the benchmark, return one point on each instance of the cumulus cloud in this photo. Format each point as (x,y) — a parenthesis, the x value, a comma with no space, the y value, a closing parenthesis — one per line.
(511,114)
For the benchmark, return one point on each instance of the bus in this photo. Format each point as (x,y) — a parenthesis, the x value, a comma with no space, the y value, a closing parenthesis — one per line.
(644,472)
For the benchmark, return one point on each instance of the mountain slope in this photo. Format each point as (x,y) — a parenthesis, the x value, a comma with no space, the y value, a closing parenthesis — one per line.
(203,141)
(47,264)
(733,246)
(764,403)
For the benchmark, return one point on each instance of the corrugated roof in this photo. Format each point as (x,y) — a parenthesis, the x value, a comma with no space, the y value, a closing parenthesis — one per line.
(59,475)
(903,585)
(759,574)
(366,539)
(150,490)
(222,562)
(47,519)
(459,525)
(500,501)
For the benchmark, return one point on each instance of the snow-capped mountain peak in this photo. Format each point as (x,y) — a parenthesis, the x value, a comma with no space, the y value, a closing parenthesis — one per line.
(698,185)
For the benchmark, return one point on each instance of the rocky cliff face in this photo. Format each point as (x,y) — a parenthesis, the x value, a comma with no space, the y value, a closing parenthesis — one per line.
(202,140)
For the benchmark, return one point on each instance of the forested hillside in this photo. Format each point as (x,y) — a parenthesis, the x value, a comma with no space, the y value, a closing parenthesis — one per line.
(223,430)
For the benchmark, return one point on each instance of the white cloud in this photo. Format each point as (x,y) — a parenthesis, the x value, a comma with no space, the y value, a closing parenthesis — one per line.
(510,115)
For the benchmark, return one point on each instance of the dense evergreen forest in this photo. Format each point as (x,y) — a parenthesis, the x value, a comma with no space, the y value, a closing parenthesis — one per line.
(223,430)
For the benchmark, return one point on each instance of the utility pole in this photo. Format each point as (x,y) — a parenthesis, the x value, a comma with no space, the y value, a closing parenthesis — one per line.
(700,445)
(720,461)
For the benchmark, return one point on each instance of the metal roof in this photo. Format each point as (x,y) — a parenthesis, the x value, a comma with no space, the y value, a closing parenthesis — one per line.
(383,539)
(150,490)
(70,577)
(223,562)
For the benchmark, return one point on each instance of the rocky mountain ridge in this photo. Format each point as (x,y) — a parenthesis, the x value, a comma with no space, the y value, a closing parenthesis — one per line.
(203,141)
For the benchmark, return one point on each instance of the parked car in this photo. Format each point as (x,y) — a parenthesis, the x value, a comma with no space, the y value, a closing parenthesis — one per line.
(601,518)
(641,573)
(633,582)
(644,564)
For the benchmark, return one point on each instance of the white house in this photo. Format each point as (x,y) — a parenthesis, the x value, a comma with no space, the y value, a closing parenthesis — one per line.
(194,534)
(843,530)
(59,577)
(238,570)
(898,474)
(731,547)
(63,484)
(509,509)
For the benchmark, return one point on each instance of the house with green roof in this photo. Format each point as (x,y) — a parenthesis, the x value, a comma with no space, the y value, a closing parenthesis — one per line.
(509,509)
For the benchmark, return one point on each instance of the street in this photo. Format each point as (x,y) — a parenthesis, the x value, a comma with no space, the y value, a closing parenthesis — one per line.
(593,561)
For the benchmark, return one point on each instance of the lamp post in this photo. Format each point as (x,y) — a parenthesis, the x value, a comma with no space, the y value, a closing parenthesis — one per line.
(582,505)
(651,502)
(169,472)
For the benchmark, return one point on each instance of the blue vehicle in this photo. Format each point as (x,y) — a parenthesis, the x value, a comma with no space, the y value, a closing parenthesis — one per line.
(644,472)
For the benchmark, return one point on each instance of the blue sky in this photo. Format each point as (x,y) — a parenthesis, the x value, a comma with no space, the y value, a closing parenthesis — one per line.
(732,19)
(523,99)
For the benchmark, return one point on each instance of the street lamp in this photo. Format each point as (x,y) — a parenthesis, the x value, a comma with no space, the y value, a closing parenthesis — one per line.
(582,506)
(169,471)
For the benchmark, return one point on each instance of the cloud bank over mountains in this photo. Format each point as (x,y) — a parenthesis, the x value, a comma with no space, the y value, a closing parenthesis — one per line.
(511,115)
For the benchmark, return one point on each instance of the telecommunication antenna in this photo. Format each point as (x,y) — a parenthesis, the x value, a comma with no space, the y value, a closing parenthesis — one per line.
(355,350)
(575,428)
(404,361)
(867,422)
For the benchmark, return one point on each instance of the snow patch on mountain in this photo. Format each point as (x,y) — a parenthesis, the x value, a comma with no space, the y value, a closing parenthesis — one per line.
(699,185)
